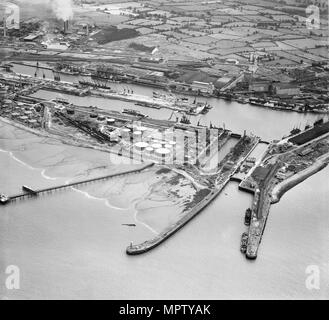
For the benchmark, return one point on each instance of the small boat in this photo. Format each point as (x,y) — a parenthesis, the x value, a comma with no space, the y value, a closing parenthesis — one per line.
(247,217)
(129,224)
(157,95)
(244,242)
(134,113)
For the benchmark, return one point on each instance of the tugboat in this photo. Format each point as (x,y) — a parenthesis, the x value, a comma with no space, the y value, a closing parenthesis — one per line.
(134,113)
(244,242)
(3,199)
(247,217)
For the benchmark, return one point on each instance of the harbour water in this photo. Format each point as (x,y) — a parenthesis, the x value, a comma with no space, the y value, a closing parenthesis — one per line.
(71,244)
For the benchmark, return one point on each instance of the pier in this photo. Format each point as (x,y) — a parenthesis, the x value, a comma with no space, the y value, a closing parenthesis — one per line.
(29,192)
(156,241)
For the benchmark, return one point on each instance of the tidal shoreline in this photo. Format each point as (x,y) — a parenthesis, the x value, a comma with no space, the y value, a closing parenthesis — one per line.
(283,187)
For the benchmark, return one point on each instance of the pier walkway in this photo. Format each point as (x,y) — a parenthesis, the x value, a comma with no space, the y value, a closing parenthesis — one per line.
(32,193)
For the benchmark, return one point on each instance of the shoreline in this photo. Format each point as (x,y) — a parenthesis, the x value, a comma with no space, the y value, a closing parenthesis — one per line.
(283,187)
(79,144)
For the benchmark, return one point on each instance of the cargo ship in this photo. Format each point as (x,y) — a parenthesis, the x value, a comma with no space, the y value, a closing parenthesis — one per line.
(134,113)
(247,217)
(96,85)
(67,69)
(244,242)
(68,72)
(147,105)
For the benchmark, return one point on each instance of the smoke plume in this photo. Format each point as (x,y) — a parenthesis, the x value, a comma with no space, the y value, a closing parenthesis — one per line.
(63,9)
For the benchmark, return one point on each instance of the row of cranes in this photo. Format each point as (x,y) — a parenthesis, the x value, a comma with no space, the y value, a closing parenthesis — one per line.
(186,119)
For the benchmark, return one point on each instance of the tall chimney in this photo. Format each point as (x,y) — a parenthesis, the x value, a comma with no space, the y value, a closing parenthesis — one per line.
(4,27)
(66,26)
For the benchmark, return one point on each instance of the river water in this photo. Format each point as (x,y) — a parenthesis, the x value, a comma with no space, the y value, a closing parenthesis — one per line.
(266,123)
(72,245)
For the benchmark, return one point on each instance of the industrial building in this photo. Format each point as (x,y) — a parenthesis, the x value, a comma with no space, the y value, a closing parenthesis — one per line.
(260,86)
(286,89)
(203,87)
(3,93)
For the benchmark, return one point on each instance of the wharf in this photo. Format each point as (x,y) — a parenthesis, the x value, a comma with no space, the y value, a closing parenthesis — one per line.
(32,65)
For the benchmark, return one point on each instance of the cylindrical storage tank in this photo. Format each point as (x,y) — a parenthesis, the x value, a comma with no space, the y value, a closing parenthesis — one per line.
(137,136)
(110,121)
(149,151)
(156,146)
(141,146)
(142,129)
(101,118)
(23,118)
(33,123)
(163,154)
(162,151)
